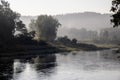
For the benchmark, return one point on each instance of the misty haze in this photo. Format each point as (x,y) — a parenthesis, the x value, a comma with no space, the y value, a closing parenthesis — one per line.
(59,40)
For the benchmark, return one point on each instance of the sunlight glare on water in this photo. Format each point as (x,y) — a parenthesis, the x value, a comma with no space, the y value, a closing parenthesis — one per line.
(28,74)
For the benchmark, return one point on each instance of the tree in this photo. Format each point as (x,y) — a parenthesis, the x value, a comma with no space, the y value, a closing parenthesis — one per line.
(32,26)
(46,27)
(116,16)
(74,40)
(21,27)
(9,23)
(64,40)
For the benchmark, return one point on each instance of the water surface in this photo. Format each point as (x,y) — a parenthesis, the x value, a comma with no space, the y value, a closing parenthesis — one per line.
(94,65)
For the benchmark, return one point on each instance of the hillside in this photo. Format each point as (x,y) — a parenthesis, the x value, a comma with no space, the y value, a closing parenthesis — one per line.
(88,20)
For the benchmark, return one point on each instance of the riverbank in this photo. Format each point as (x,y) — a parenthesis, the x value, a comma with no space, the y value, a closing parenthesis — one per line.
(77,46)
(47,48)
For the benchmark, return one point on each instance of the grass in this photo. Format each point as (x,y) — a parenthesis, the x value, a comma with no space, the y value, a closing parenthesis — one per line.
(102,45)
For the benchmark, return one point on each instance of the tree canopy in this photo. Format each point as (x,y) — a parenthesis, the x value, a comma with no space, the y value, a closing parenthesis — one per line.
(9,23)
(116,16)
(45,27)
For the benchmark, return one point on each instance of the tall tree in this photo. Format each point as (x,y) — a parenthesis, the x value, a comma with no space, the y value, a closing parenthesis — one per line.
(32,26)
(46,27)
(116,16)
(9,22)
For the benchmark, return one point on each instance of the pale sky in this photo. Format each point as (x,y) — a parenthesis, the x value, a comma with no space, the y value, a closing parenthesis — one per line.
(53,7)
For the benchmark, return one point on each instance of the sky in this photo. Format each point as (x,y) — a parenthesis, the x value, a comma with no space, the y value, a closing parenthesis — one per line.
(54,7)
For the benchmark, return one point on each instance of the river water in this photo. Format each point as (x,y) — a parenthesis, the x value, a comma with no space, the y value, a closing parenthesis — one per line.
(82,65)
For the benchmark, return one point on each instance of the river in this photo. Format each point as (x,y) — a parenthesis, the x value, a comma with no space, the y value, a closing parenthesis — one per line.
(82,65)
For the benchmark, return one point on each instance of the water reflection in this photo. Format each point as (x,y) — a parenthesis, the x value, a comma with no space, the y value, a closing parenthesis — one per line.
(17,68)
(6,68)
(98,65)
(44,61)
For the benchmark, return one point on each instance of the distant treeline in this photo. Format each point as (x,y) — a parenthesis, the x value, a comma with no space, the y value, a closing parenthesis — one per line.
(81,34)
(107,35)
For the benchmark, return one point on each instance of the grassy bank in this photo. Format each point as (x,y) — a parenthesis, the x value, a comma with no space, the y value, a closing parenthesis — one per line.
(47,48)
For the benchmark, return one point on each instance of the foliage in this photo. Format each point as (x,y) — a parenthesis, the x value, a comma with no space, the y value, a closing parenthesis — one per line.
(74,41)
(108,36)
(25,38)
(45,27)
(116,9)
(66,41)
(21,27)
(9,23)
(32,25)
(81,34)
(74,44)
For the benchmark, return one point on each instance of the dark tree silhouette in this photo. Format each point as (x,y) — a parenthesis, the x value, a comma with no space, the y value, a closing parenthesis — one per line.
(21,27)
(64,40)
(9,23)
(74,41)
(116,16)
